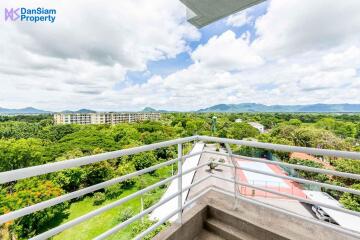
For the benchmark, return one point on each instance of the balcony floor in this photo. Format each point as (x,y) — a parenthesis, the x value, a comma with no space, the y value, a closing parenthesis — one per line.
(213,217)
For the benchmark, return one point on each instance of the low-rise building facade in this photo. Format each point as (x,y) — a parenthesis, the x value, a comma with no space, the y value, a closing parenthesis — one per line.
(104,118)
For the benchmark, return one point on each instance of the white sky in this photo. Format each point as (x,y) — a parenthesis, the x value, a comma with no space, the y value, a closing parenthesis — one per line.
(296,52)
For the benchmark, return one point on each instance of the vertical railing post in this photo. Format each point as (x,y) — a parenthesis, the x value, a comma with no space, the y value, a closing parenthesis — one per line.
(142,207)
(228,149)
(180,203)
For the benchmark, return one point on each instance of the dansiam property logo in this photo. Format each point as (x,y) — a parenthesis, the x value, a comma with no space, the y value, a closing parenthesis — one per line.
(12,14)
(32,15)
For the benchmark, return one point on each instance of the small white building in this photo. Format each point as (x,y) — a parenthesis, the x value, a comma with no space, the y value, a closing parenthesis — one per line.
(239,120)
(258,126)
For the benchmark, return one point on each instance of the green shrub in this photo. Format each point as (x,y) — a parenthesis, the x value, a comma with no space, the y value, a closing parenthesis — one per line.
(99,198)
(113,191)
(148,202)
(309,175)
(126,214)
(125,169)
(141,226)
(351,201)
(98,172)
(143,160)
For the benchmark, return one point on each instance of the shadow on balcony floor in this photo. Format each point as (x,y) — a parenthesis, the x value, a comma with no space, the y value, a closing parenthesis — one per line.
(213,217)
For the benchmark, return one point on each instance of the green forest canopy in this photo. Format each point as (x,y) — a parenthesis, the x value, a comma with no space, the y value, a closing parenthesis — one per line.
(32,140)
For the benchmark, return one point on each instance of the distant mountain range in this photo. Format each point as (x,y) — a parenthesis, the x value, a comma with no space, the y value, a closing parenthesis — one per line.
(254,107)
(242,107)
(28,110)
(149,109)
(31,110)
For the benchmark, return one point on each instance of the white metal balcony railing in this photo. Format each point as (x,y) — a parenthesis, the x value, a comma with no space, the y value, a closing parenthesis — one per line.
(14,175)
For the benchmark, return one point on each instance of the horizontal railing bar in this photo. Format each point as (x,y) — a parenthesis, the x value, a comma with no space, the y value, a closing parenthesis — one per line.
(305,168)
(42,205)
(146,211)
(22,173)
(285,148)
(196,197)
(98,211)
(300,180)
(52,167)
(294,166)
(14,175)
(134,218)
(288,212)
(290,196)
(153,227)
(78,193)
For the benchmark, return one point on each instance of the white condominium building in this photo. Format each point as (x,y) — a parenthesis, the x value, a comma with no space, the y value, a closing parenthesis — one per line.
(103,118)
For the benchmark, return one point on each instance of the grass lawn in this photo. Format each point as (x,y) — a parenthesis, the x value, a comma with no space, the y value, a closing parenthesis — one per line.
(100,223)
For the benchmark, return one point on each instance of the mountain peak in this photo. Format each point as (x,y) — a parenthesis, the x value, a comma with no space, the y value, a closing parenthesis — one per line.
(255,107)
(149,109)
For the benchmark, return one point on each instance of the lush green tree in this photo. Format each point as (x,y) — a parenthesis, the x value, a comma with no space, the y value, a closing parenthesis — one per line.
(241,131)
(349,166)
(306,174)
(28,192)
(87,139)
(114,191)
(99,172)
(28,141)
(351,201)
(165,153)
(153,137)
(340,128)
(125,133)
(295,122)
(71,179)
(57,132)
(309,136)
(144,160)
(21,153)
(26,118)
(124,169)
(18,130)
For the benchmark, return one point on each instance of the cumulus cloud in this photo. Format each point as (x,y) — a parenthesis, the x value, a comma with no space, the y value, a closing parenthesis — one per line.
(239,19)
(228,53)
(293,26)
(300,53)
(89,48)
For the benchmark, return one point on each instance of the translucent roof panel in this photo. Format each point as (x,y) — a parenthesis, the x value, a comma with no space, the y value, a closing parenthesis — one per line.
(203,12)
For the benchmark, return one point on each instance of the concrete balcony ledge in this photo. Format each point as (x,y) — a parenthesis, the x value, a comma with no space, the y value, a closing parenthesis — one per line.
(213,217)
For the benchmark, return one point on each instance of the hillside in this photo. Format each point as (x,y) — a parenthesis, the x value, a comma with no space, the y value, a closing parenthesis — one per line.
(254,107)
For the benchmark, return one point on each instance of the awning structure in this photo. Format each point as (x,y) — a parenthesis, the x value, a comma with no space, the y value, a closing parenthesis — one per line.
(203,12)
(343,219)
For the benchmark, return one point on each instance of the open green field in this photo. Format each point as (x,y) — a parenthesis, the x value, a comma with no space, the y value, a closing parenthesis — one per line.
(99,224)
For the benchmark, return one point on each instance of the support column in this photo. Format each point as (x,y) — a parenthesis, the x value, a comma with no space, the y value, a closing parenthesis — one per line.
(236,190)
(180,203)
